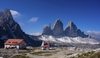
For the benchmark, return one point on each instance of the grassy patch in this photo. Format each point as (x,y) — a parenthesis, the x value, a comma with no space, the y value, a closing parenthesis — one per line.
(91,54)
(96,55)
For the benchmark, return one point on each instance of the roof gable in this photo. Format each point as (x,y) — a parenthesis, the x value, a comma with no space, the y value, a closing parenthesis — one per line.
(13,41)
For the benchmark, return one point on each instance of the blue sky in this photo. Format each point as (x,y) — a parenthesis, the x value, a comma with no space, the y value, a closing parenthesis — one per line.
(33,15)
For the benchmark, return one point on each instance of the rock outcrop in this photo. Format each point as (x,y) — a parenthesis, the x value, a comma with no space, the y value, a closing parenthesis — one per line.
(47,30)
(57,28)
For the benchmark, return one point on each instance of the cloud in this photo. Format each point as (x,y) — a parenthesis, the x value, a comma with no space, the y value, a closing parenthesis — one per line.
(95,34)
(35,34)
(34,19)
(15,13)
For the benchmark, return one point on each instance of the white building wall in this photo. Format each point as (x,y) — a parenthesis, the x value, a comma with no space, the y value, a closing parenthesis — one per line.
(9,46)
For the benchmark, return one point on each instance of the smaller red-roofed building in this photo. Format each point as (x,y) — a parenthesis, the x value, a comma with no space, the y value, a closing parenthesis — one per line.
(15,43)
(45,45)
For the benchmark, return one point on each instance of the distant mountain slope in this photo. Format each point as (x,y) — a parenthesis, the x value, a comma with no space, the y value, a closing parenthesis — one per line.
(66,41)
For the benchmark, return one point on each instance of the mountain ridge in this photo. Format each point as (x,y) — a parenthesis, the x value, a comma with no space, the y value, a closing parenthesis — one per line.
(70,30)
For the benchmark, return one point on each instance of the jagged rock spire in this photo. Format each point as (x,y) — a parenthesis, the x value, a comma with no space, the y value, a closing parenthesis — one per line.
(71,29)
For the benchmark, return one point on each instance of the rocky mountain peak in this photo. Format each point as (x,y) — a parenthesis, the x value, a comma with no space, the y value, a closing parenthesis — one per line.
(6,16)
(57,28)
(71,29)
(7,12)
(58,20)
(71,25)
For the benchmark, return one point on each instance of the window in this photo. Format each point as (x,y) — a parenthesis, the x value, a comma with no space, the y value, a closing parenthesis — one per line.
(14,42)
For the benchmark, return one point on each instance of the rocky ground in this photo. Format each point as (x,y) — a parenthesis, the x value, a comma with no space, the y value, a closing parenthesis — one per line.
(56,52)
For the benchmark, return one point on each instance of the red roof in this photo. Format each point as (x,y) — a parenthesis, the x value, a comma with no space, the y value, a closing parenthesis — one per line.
(13,41)
(47,45)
